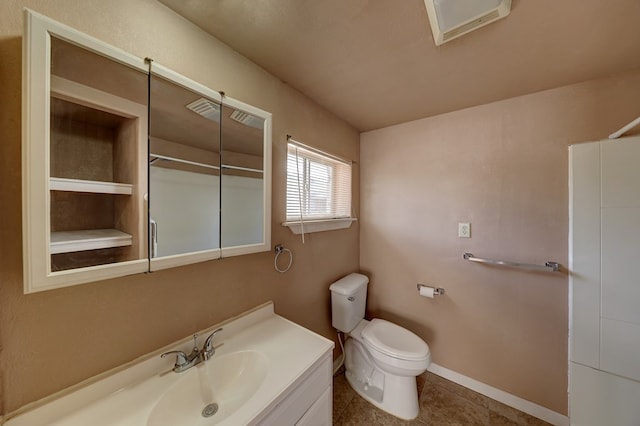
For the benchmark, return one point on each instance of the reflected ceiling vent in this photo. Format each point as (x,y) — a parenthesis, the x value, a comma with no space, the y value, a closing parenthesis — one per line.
(450,19)
(247,119)
(206,108)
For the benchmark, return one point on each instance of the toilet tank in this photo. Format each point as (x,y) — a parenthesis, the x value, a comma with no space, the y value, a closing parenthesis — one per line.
(348,301)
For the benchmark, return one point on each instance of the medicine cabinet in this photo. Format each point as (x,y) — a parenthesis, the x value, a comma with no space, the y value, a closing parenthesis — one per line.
(129,167)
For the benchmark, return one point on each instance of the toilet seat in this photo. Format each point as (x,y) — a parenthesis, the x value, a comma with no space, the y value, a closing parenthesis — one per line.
(392,340)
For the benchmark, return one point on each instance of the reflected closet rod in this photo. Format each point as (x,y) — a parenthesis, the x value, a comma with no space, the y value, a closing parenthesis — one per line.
(179,160)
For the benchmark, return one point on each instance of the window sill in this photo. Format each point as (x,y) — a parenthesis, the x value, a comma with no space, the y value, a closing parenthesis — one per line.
(319,225)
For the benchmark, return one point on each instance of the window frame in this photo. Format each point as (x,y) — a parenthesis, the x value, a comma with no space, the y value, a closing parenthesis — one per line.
(339,214)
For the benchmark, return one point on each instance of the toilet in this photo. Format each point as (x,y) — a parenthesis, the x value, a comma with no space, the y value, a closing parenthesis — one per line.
(382,359)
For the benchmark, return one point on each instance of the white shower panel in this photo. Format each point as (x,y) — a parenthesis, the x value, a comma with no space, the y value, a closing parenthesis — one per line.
(620,348)
(620,256)
(604,282)
(584,259)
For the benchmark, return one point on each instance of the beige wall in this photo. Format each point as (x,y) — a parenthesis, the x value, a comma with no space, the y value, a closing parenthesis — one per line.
(57,338)
(504,168)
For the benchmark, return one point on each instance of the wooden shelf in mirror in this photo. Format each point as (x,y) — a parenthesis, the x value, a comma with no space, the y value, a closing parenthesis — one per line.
(90,239)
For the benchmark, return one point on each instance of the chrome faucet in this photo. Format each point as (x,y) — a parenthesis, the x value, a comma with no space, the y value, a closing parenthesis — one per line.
(185,362)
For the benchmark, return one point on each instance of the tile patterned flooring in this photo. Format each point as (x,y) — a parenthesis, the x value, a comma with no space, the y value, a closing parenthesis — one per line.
(442,403)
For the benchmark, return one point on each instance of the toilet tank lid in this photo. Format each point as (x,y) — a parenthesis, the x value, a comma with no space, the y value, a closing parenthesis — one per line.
(349,285)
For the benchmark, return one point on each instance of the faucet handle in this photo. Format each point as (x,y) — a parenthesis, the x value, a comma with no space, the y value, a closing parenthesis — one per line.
(195,343)
(181,358)
(208,350)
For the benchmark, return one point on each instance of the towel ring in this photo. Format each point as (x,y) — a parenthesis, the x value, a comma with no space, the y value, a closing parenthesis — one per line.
(279,249)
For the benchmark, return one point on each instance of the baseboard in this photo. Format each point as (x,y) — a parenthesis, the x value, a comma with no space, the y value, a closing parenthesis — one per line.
(513,401)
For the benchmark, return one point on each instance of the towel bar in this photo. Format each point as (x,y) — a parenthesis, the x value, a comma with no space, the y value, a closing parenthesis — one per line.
(548,266)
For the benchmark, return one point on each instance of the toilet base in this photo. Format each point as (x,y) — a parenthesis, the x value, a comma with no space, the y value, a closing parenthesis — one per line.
(397,395)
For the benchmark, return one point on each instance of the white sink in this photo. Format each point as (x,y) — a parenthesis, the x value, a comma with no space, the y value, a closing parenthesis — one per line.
(221,385)
(261,359)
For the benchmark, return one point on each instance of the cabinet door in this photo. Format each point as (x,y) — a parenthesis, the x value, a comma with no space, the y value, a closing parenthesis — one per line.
(320,413)
(246,180)
(184,170)
(84,166)
(302,398)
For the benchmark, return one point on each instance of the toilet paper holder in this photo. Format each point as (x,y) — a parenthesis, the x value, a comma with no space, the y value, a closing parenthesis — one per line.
(437,291)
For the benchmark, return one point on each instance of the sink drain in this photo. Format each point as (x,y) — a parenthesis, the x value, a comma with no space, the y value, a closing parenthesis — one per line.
(210,410)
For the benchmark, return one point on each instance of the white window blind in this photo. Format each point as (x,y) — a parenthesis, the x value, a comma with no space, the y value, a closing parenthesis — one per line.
(318,186)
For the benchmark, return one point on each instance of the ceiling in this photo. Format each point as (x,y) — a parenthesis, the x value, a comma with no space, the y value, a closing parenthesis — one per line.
(374,64)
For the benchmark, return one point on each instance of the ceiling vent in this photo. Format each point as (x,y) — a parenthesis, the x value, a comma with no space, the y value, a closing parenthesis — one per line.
(206,108)
(247,119)
(450,19)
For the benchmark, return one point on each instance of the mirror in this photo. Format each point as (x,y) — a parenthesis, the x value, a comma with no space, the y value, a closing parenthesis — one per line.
(184,171)
(209,173)
(243,176)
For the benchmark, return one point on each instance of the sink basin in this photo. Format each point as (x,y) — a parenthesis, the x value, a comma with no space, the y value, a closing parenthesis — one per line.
(211,391)
(263,372)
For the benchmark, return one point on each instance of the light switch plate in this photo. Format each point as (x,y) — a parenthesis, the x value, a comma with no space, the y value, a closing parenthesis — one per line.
(464,230)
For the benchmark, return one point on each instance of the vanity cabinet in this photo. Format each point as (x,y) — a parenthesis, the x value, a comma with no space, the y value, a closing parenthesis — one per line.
(307,402)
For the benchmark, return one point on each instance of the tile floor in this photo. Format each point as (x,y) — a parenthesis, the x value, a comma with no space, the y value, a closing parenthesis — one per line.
(441,403)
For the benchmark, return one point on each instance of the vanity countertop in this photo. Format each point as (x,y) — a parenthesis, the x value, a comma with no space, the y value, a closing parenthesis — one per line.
(128,396)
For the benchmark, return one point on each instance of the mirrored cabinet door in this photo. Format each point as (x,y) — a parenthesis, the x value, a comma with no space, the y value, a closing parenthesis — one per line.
(245,190)
(84,169)
(184,171)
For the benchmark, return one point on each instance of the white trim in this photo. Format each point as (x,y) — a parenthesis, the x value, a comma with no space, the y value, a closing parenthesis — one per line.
(85,41)
(506,398)
(319,225)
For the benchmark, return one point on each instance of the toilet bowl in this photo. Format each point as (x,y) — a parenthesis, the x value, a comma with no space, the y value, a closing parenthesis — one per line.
(382,359)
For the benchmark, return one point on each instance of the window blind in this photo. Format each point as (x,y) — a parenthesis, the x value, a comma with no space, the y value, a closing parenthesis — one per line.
(318,186)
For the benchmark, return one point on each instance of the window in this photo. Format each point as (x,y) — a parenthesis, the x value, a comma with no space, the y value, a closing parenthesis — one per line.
(318,189)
